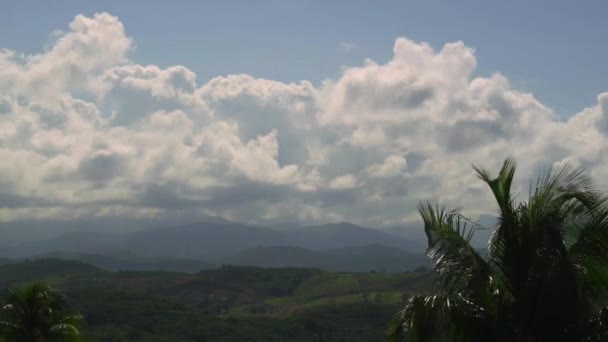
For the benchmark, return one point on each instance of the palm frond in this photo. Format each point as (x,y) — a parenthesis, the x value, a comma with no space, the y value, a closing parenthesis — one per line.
(412,324)
(546,277)
(37,312)
(457,265)
(506,237)
(501,185)
(64,329)
(439,317)
(589,255)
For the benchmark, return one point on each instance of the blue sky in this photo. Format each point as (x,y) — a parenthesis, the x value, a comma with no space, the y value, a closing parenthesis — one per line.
(555,49)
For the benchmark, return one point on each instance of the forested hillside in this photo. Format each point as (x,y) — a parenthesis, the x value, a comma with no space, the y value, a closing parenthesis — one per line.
(226,304)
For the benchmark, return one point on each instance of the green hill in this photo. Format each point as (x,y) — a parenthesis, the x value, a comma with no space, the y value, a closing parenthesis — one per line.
(231,303)
(28,270)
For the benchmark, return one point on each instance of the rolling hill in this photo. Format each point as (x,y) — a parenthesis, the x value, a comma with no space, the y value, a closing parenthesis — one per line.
(226,304)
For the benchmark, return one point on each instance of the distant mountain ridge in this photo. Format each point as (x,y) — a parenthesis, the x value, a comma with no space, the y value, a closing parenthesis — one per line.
(334,246)
(17,232)
(71,242)
(216,241)
(128,262)
(345,259)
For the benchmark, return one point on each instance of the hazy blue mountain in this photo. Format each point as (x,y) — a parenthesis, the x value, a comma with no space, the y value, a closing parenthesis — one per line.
(345,259)
(213,241)
(13,233)
(277,256)
(485,225)
(207,241)
(343,234)
(413,232)
(72,242)
(128,262)
(377,258)
(196,246)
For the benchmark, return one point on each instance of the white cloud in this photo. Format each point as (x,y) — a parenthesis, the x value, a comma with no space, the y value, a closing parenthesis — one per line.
(74,61)
(343,182)
(86,131)
(391,166)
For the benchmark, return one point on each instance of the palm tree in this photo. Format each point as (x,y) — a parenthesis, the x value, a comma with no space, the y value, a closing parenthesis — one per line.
(544,277)
(36,313)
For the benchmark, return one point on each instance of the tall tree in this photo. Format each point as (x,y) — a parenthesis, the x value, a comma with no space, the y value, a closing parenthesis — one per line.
(544,277)
(36,313)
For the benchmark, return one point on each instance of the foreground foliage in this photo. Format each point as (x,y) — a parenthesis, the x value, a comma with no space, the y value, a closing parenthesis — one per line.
(545,275)
(36,313)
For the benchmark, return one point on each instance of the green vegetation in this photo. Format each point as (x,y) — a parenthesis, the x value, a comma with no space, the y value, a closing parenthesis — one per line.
(36,313)
(545,277)
(231,303)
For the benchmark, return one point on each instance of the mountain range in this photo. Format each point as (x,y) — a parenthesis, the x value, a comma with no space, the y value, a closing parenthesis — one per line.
(187,248)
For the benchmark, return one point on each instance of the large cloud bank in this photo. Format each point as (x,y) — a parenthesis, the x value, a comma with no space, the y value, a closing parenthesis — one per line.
(85,131)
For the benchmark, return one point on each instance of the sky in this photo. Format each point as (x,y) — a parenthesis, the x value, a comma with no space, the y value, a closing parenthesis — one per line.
(275,111)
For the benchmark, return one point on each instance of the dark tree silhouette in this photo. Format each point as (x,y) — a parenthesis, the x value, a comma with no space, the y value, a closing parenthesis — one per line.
(545,275)
(36,313)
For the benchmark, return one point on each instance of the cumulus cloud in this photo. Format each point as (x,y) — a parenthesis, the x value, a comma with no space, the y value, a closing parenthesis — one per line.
(390,167)
(343,182)
(85,131)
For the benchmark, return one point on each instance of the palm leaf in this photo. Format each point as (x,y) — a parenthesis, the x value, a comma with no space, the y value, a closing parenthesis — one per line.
(439,317)
(457,265)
